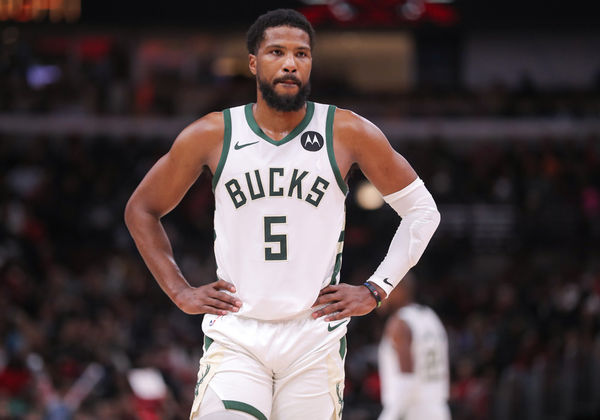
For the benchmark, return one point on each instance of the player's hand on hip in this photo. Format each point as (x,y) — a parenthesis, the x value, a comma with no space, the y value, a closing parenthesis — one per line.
(208,299)
(344,300)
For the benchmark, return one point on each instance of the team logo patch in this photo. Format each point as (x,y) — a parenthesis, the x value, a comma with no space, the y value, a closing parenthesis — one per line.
(312,141)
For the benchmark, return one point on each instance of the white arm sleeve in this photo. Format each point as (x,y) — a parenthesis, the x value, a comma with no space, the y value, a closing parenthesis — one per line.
(420,219)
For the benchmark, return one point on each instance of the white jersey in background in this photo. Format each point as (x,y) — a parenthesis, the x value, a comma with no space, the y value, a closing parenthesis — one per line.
(279,213)
(429,394)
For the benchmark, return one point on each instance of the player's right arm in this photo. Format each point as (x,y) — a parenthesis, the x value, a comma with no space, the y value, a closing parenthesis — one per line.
(403,383)
(401,337)
(160,191)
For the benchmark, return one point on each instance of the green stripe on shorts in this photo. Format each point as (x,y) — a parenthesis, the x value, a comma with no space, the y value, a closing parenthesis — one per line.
(207,342)
(343,347)
(246,408)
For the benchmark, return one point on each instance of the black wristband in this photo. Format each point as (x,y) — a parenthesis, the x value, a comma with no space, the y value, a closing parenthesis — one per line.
(373,292)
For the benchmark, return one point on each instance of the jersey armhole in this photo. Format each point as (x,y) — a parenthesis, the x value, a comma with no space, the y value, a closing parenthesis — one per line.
(225,150)
(330,153)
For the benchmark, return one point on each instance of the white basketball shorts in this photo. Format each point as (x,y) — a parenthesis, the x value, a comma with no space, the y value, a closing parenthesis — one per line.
(277,370)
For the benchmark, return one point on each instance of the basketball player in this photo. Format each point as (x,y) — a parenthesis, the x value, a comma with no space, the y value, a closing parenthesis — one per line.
(276,317)
(413,360)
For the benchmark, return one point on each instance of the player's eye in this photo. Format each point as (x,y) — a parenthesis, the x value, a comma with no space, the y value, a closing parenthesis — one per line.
(277,52)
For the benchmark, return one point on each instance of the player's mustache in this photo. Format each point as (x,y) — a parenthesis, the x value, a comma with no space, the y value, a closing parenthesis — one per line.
(289,78)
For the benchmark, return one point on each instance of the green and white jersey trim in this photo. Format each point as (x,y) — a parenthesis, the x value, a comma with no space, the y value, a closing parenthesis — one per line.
(279,211)
(335,277)
(329,138)
(225,150)
(310,109)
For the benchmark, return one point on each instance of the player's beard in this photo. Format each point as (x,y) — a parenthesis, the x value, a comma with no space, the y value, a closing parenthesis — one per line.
(284,103)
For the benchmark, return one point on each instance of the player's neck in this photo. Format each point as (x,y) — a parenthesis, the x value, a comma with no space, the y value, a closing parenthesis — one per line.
(276,124)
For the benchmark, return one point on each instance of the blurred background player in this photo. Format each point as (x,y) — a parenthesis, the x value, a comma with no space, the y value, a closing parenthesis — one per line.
(413,359)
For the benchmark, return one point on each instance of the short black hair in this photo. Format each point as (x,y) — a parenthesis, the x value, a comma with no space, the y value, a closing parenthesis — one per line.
(279,17)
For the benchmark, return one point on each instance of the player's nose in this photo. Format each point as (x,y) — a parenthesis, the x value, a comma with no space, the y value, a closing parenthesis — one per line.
(289,66)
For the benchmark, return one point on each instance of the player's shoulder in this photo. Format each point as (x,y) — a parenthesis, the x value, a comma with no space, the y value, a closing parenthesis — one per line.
(415,310)
(411,313)
(207,130)
(348,119)
(200,140)
(419,315)
(397,326)
(210,124)
(348,126)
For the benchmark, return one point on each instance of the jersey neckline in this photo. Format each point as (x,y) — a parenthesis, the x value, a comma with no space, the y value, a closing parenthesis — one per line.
(310,109)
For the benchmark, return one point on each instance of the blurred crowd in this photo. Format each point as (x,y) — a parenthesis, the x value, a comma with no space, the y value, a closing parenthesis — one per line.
(120,74)
(516,281)
(513,270)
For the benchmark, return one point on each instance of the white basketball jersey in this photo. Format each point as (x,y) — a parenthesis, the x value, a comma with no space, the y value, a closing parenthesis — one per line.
(279,215)
(430,357)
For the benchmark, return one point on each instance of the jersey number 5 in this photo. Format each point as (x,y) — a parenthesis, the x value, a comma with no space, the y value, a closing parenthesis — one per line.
(270,255)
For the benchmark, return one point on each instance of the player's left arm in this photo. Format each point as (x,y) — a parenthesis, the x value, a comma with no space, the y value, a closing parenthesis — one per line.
(403,382)
(357,140)
(398,331)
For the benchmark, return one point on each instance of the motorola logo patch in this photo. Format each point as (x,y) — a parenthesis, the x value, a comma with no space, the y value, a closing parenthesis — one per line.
(312,141)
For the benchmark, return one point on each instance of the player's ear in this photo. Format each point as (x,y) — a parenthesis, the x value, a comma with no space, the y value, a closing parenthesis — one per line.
(252,63)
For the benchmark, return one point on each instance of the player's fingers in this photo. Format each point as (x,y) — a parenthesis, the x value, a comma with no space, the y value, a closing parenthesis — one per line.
(213,292)
(219,304)
(325,293)
(206,309)
(327,298)
(337,316)
(328,289)
(327,310)
(224,285)
(232,300)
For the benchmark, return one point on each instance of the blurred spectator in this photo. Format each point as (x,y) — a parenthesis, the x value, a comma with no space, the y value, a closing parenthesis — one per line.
(515,260)
(119,74)
(517,283)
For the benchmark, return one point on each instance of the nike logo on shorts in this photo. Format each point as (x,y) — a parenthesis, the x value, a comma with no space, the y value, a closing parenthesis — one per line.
(239,146)
(330,328)
(385,280)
